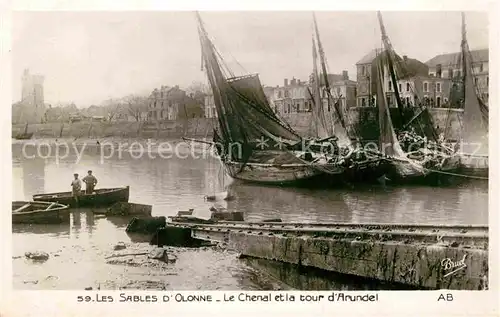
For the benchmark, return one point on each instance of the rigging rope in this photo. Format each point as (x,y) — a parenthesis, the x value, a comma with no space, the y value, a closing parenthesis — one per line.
(456,174)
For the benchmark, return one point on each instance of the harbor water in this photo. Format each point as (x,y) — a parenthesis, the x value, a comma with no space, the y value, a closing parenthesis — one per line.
(78,250)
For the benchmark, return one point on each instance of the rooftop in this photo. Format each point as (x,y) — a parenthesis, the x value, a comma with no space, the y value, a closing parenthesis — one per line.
(368,58)
(452,58)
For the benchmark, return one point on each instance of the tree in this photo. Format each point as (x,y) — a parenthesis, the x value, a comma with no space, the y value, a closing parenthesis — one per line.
(196,86)
(112,107)
(136,106)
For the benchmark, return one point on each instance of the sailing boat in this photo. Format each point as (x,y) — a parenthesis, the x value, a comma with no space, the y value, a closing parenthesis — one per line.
(474,135)
(253,144)
(422,162)
(25,135)
(361,165)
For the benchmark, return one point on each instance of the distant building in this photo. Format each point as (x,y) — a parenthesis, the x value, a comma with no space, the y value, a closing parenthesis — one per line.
(408,71)
(419,90)
(292,97)
(450,66)
(295,96)
(172,103)
(32,106)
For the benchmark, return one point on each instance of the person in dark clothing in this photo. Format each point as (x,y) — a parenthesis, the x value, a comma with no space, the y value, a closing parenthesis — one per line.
(90,182)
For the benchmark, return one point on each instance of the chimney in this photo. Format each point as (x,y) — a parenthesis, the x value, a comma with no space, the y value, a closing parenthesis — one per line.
(286,82)
(345,75)
(293,82)
(405,58)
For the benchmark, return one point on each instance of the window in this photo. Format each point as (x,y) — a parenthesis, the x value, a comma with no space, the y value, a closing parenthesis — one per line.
(487,81)
(400,88)
(438,102)
(481,67)
(450,73)
(363,102)
(287,94)
(426,87)
(407,101)
(475,81)
(390,86)
(280,94)
(363,70)
(407,86)
(438,87)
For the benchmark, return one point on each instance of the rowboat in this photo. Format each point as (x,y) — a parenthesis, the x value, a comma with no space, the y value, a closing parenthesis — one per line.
(99,198)
(39,212)
(24,136)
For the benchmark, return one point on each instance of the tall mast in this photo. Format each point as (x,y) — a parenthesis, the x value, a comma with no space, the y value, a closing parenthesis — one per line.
(389,53)
(325,74)
(319,124)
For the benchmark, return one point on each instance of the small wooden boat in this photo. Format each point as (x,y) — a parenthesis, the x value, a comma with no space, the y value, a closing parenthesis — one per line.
(99,198)
(24,135)
(39,212)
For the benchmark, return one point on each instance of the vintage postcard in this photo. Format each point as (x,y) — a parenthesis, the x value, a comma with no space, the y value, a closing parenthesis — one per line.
(199,159)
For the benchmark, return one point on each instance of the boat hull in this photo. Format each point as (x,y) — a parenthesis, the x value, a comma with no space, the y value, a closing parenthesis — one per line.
(279,174)
(100,198)
(474,165)
(39,214)
(24,136)
(412,172)
(307,175)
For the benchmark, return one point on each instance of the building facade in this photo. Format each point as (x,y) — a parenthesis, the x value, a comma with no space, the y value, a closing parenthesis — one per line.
(32,107)
(292,97)
(450,66)
(295,96)
(365,94)
(172,103)
(419,91)
(408,71)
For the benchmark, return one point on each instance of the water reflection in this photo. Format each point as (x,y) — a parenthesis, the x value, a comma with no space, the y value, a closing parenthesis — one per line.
(311,279)
(55,230)
(173,184)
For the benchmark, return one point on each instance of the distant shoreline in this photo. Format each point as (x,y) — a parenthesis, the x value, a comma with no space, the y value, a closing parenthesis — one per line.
(167,130)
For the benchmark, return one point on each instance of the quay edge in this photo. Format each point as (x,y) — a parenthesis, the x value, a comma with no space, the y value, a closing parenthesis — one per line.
(415,256)
(411,264)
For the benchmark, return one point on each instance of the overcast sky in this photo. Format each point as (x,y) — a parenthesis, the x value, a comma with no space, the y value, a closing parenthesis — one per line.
(87,57)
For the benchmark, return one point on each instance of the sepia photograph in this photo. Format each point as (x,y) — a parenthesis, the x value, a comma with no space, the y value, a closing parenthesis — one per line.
(250,151)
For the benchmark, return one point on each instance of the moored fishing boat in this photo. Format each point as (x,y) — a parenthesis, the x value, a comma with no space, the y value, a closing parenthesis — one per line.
(360,164)
(25,135)
(99,198)
(429,162)
(473,145)
(39,212)
(253,144)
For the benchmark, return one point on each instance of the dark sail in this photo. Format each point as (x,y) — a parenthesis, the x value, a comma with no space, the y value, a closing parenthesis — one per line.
(388,142)
(338,126)
(475,117)
(245,117)
(417,116)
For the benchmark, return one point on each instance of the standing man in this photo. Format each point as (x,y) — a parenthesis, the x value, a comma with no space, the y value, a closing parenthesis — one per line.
(76,186)
(90,182)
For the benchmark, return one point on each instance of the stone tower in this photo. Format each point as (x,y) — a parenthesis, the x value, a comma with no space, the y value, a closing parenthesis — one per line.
(32,97)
